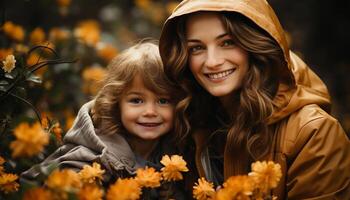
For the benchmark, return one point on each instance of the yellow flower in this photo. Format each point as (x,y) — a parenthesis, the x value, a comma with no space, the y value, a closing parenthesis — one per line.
(236,187)
(37,36)
(173,167)
(30,140)
(89,174)
(203,190)
(63,180)
(88,32)
(8,183)
(9,63)
(92,78)
(37,194)
(148,177)
(90,192)
(106,51)
(266,175)
(124,189)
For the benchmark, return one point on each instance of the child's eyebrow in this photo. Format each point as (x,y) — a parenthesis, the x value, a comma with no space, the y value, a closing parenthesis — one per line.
(134,93)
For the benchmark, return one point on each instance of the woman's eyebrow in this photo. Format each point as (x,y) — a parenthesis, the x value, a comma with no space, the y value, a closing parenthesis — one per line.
(217,38)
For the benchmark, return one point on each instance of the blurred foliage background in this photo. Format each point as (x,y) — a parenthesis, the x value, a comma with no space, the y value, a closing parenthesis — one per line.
(92,32)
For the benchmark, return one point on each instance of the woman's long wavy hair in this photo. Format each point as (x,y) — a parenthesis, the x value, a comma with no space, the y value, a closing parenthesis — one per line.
(143,59)
(248,137)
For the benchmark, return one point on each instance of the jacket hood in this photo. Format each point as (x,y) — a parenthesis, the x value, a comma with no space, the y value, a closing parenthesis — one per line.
(307,87)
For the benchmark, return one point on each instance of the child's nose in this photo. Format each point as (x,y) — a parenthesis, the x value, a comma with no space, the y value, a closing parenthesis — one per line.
(150,110)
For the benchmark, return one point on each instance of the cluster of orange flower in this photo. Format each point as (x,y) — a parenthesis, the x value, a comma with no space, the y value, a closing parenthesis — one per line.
(7,180)
(256,185)
(86,184)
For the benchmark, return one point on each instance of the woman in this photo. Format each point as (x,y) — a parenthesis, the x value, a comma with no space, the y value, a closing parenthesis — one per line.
(250,98)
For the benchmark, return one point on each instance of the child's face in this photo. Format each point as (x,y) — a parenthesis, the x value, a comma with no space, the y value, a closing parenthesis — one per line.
(145,114)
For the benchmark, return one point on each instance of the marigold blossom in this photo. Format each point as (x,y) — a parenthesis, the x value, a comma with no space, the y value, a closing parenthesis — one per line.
(63,180)
(91,173)
(9,63)
(148,177)
(8,183)
(90,192)
(203,190)
(37,36)
(124,189)
(30,140)
(37,194)
(266,175)
(88,32)
(173,166)
(236,187)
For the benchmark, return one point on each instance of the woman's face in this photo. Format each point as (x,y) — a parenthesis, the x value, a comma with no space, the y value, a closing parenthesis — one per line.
(216,62)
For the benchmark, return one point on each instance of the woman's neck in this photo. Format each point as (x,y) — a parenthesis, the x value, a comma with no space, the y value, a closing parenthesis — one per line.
(230,102)
(141,147)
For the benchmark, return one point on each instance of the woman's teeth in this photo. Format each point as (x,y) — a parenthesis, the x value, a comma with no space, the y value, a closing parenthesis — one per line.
(220,74)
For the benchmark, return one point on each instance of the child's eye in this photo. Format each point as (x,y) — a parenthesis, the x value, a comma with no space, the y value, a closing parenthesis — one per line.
(229,42)
(136,100)
(163,101)
(195,49)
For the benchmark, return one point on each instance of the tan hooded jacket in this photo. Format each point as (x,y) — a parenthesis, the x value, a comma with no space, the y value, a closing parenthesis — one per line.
(309,144)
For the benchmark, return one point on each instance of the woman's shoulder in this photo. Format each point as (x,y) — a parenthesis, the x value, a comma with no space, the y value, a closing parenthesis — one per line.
(308,124)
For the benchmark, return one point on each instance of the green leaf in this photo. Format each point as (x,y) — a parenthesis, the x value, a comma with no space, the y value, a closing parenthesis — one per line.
(3,82)
(34,78)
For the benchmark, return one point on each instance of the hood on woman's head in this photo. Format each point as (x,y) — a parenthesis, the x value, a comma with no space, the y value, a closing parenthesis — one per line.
(259,11)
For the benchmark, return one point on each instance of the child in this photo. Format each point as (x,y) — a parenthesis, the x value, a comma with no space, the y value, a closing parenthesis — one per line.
(126,126)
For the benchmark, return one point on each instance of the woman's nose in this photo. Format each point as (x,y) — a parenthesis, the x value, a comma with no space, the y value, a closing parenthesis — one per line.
(214,58)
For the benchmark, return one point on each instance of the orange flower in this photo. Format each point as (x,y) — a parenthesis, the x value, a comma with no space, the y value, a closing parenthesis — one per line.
(9,63)
(124,189)
(5,52)
(90,192)
(2,161)
(37,36)
(14,31)
(143,4)
(88,32)
(236,187)
(57,131)
(37,194)
(58,34)
(203,190)
(266,175)
(63,3)
(92,77)
(64,180)
(148,177)
(8,183)
(33,59)
(106,51)
(173,167)
(171,6)
(89,174)
(30,140)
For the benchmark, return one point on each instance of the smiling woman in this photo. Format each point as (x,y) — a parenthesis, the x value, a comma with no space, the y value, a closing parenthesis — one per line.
(249,98)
